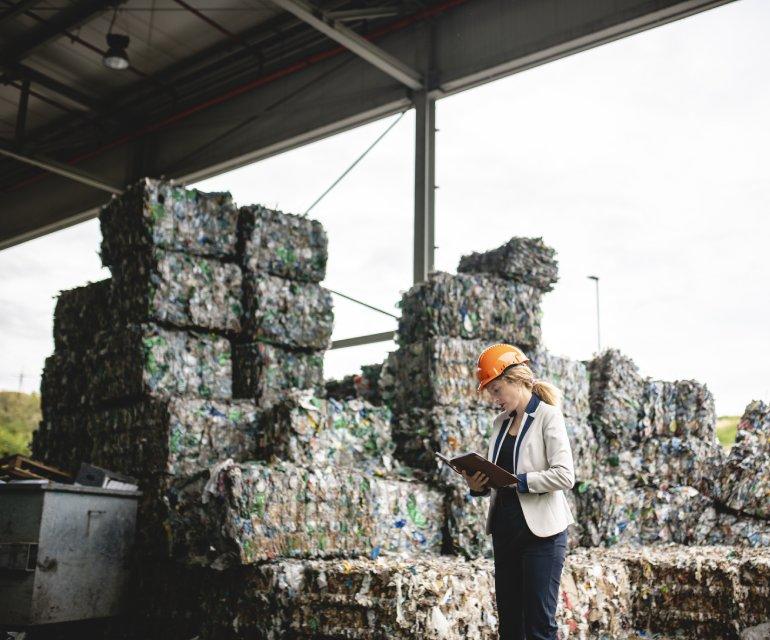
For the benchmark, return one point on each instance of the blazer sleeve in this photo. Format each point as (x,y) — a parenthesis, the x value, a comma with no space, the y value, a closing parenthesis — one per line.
(561,471)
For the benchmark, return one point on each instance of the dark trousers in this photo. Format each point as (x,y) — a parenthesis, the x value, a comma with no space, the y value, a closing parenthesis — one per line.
(527,573)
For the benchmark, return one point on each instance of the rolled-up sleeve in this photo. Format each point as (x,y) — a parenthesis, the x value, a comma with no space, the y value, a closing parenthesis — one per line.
(561,471)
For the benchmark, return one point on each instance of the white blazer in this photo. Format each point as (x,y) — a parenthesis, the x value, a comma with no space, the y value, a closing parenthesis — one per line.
(542,462)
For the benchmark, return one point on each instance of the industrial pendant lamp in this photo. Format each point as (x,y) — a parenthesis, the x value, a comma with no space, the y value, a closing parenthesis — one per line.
(116,56)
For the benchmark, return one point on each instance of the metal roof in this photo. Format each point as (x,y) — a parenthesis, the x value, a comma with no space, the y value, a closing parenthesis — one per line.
(215,84)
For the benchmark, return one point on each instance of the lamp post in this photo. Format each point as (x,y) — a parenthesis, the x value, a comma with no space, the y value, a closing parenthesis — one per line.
(598,330)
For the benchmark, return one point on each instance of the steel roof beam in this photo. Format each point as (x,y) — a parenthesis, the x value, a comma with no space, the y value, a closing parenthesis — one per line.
(17,9)
(60,169)
(69,18)
(23,72)
(348,38)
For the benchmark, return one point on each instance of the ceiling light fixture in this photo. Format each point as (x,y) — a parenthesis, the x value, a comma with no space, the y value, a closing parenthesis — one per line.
(116,56)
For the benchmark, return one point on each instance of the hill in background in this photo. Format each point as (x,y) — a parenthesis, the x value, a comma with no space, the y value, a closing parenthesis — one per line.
(19,417)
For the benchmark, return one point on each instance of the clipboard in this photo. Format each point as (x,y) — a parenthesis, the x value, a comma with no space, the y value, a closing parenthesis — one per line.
(473,462)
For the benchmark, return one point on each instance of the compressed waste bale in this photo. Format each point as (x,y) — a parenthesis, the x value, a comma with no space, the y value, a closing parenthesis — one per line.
(615,395)
(684,408)
(287,312)
(350,433)
(146,359)
(395,596)
(63,384)
(569,376)
(742,482)
(525,260)
(242,514)
(663,461)
(450,430)
(159,213)
(609,511)
(136,360)
(179,289)
(63,440)
(716,526)
(594,596)
(173,437)
(435,371)
(471,306)
(82,312)
(282,244)
(265,372)
(754,425)
(703,591)
(465,533)
(584,448)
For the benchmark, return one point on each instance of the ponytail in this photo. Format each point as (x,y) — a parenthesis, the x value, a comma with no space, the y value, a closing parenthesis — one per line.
(547,392)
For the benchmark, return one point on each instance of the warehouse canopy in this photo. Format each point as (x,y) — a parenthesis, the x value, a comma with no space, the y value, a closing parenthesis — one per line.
(215,84)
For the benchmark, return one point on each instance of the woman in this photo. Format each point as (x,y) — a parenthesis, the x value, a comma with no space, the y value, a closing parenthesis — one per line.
(528,520)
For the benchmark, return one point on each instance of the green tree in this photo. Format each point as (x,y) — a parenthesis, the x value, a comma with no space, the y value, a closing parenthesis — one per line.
(19,417)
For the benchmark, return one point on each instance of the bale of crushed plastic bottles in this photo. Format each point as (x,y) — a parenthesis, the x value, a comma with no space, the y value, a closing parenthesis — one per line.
(81,312)
(452,431)
(594,596)
(701,591)
(470,306)
(610,510)
(238,514)
(742,483)
(282,244)
(150,360)
(178,288)
(287,312)
(683,408)
(266,372)
(303,429)
(615,396)
(161,214)
(526,260)
(402,596)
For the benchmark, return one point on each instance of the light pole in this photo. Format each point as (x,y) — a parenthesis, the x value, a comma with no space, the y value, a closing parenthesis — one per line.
(598,330)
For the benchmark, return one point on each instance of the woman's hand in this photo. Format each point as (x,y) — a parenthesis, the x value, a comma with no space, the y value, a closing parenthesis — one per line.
(477,481)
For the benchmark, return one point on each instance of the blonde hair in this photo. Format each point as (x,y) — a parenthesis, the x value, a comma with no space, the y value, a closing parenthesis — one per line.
(523,375)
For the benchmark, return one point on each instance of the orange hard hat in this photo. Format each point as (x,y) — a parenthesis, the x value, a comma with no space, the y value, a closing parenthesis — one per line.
(496,359)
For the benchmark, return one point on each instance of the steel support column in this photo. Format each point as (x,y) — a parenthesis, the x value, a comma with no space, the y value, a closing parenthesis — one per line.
(424,185)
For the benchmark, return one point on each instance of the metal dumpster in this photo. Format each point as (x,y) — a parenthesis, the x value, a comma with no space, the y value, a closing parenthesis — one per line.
(64,552)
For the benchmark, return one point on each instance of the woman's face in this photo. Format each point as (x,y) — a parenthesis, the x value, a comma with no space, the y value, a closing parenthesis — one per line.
(509,396)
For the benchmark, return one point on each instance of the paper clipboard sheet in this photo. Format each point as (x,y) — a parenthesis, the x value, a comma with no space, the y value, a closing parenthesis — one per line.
(473,462)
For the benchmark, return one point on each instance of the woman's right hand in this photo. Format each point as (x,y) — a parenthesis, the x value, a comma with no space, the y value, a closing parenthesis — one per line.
(477,482)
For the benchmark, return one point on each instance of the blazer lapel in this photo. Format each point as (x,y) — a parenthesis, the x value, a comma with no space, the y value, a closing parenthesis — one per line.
(499,439)
(530,413)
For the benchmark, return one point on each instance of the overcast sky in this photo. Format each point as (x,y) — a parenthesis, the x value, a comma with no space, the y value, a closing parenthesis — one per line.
(643,161)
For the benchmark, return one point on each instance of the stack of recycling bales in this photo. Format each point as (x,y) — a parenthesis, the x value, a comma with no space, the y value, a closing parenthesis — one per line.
(658,459)
(429,381)
(288,315)
(140,381)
